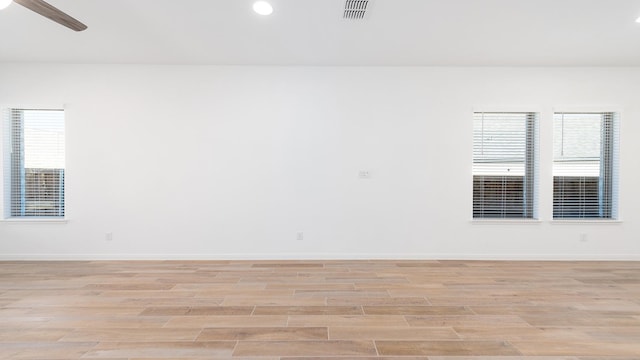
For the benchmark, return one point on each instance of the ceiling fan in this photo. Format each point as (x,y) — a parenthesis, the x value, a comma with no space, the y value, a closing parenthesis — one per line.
(49,11)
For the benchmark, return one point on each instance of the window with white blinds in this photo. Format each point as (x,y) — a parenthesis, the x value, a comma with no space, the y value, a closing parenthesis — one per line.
(504,165)
(34,163)
(585,166)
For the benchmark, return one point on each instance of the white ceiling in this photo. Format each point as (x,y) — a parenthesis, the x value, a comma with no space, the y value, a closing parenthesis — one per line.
(312,32)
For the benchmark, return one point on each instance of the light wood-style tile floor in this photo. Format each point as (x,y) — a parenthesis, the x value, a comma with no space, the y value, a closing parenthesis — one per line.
(264,310)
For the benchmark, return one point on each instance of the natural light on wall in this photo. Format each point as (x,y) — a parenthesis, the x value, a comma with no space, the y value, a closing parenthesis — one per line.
(262,8)
(5,3)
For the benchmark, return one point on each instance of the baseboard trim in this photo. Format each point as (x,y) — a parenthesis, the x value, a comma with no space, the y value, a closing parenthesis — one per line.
(322,256)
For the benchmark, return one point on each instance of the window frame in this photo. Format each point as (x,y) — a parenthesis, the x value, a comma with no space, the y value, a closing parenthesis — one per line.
(531,166)
(613,170)
(5,169)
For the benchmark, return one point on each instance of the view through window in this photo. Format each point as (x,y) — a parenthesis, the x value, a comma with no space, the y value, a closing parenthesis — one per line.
(34,163)
(584,166)
(504,165)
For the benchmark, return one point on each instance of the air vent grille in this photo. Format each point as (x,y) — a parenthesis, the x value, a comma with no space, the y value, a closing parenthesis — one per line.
(355,9)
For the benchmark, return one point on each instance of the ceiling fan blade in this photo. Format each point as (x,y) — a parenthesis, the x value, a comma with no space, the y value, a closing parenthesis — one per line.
(47,10)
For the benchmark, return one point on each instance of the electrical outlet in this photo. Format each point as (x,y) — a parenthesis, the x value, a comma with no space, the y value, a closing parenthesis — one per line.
(108,236)
(300,236)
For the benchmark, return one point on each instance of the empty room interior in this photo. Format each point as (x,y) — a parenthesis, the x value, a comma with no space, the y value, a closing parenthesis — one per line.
(320,179)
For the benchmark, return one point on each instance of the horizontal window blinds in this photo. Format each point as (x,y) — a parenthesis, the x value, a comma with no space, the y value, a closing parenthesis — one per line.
(584,165)
(37,163)
(504,165)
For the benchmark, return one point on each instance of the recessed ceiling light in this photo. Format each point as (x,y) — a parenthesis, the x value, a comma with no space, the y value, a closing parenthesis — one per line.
(638,20)
(5,3)
(261,7)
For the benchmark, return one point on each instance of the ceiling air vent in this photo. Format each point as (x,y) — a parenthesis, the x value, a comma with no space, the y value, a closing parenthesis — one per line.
(355,9)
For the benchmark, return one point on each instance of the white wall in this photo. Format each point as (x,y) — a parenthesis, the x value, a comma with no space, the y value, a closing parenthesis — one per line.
(232,162)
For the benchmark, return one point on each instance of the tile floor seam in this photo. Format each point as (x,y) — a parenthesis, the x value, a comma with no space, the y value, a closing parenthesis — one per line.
(195,339)
(375,346)
(235,346)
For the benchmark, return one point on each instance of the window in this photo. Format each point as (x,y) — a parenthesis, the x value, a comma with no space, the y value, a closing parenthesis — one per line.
(34,163)
(584,166)
(504,165)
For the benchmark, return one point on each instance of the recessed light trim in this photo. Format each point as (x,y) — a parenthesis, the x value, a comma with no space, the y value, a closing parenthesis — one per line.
(262,8)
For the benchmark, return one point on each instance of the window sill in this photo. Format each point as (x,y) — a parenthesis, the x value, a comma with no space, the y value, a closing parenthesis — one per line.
(505,221)
(585,221)
(34,221)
